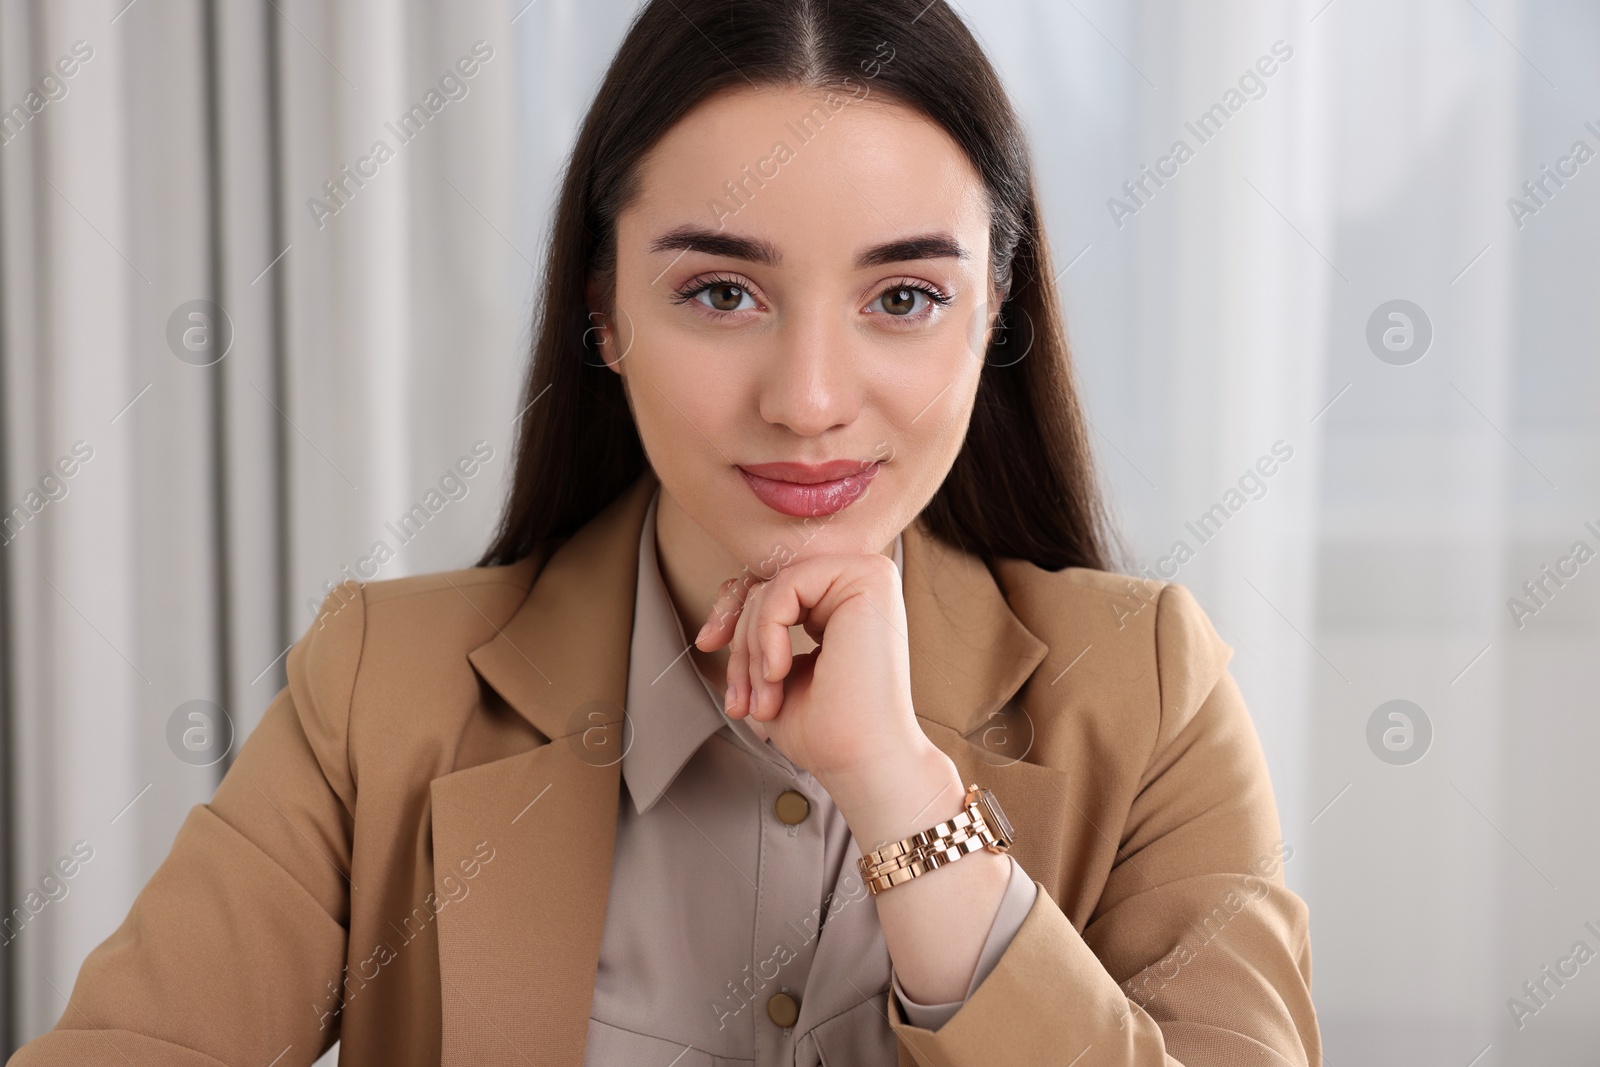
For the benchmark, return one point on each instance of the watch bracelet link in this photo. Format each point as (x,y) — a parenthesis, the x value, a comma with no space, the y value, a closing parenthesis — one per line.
(900,861)
(885,877)
(908,848)
(921,846)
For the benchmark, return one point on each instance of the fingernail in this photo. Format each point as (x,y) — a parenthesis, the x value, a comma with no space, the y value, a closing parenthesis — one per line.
(727,698)
(766,672)
(703,628)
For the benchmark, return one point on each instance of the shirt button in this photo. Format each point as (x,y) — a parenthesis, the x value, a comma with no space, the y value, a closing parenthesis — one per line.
(792,807)
(783,1010)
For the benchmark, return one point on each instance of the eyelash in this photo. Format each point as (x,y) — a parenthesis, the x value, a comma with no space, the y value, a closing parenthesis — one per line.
(695,286)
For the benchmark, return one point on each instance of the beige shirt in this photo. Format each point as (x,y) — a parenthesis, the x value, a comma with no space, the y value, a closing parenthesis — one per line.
(719,904)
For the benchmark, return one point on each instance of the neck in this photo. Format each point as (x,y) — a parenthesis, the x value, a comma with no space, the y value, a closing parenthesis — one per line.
(694,564)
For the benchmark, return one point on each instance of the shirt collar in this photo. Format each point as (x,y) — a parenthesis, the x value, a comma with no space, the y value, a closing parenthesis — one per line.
(672,709)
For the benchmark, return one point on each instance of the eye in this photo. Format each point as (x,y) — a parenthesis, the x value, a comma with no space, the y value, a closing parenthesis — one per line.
(724,298)
(719,295)
(907,301)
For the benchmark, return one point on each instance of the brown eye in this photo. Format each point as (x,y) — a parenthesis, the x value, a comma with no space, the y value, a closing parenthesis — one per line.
(902,301)
(722,296)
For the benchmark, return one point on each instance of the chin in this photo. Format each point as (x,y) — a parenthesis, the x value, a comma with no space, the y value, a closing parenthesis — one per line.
(782,540)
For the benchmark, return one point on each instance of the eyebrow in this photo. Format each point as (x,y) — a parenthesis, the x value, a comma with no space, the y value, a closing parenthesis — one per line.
(755,250)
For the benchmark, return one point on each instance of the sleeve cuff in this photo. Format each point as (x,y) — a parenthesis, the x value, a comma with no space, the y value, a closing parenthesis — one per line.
(1014,907)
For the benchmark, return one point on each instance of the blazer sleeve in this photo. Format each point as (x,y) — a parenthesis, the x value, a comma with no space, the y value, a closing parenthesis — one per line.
(1196,954)
(230,952)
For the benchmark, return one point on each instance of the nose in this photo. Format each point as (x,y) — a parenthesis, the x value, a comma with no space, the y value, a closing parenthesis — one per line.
(813,380)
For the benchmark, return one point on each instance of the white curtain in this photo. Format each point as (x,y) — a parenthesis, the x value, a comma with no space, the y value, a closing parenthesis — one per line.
(1340,156)
(182,160)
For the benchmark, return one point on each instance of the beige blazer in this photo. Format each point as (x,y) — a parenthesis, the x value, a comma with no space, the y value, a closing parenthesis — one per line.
(412,850)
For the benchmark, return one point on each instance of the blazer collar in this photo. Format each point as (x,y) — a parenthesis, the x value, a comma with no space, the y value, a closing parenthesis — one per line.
(564,653)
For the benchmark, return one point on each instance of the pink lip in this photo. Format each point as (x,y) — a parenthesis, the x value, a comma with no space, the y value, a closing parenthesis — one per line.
(803,490)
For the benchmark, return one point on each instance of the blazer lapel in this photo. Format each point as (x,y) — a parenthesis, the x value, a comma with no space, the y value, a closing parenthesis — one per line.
(519,948)
(969,651)
(972,667)
(518,954)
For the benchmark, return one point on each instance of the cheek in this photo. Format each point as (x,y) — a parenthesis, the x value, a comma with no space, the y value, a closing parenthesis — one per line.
(683,397)
(931,402)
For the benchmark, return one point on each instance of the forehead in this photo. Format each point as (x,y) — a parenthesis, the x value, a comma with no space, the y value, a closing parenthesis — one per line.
(817,174)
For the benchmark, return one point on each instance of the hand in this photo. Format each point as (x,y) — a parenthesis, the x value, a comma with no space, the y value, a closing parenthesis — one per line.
(842,711)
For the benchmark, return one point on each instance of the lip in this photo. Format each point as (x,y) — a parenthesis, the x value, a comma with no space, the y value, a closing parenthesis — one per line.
(803,490)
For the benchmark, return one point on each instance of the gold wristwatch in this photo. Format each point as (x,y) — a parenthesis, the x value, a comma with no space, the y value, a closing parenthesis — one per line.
(981,824)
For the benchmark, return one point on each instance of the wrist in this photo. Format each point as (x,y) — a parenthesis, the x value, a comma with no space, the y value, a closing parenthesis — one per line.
(898,798)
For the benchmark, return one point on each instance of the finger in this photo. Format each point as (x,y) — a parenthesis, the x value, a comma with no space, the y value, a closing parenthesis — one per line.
(769,654)
(763,656)
(780,609)
(810,592)
(774,648)
(724,614)
(762,695)
(738,668)
(727,608)
(731,702)
(772,655)
(783,606)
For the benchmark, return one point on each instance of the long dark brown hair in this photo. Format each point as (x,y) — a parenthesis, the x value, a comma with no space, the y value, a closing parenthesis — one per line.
(1023,485)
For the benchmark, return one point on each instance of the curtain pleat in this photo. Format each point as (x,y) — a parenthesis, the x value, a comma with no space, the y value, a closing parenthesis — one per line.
(248,390)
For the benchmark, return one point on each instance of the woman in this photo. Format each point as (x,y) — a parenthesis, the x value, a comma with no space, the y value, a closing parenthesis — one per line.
(800,390)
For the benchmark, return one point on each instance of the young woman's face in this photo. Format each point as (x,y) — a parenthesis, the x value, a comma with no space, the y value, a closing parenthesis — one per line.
(802,280)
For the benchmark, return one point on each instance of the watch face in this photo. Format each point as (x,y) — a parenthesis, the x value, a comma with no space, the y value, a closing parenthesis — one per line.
(1002,825)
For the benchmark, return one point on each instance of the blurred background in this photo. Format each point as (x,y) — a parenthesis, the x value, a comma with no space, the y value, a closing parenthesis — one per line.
(240,345)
